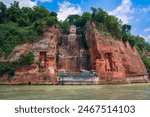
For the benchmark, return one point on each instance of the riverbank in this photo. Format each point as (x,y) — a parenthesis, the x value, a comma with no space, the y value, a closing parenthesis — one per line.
(76,92)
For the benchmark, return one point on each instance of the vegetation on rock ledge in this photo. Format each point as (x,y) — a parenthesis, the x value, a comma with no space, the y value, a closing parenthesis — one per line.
(19,25)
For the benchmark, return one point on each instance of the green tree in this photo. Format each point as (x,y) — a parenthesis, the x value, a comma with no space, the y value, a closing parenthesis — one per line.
(28,12)
(76,20)
(39,27)
(126,29)
(23,21)
(73,18)
(64,26)
(2,12)
(14,11)
(86,16)
(101,15)
(40,12)
(53,14)
(113,26)
(132,40)
(51,20)
(126,32)
(94,11)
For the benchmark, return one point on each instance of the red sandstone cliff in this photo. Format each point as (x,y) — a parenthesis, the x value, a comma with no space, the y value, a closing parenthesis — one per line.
(44,69)
(113,60)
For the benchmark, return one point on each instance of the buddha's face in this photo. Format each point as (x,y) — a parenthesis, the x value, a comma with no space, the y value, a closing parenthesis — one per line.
(93,25)
(72,29)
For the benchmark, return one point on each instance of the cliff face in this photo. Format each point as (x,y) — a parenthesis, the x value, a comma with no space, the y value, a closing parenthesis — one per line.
(73,57)
(113,60)
(44,69)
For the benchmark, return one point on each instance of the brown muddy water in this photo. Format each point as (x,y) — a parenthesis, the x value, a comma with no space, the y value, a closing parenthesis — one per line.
(75,92)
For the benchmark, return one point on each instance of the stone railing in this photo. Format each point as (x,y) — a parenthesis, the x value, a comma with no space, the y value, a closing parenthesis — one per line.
(77,78)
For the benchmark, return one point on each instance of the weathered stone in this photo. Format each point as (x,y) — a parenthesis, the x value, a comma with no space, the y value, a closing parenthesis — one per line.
(18,50)
(113,59)
(107,60)
(72,57)
(45,60)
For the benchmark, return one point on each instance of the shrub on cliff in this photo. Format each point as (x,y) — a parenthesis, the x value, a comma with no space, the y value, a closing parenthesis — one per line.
(12,35)
(27,58)
(7,70)
(146,61)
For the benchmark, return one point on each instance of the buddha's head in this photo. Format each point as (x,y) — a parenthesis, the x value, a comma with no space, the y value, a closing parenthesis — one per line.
(72,29)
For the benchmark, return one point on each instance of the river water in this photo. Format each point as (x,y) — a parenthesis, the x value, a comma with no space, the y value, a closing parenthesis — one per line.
(76,92)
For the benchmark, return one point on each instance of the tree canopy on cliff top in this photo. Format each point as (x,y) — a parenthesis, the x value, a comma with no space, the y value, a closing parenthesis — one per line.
(19,25)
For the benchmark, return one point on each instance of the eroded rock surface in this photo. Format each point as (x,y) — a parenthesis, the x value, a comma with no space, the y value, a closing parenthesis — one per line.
(112,61)
(72,57)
